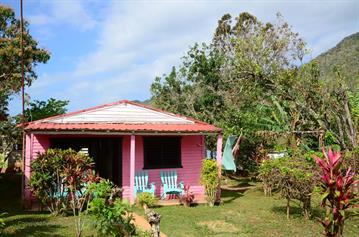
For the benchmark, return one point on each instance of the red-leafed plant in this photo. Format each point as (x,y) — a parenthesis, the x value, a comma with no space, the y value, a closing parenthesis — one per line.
(78,173)
(188,197)
(337,192)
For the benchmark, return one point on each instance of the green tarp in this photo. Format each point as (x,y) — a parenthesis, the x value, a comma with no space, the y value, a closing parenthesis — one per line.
(228,159)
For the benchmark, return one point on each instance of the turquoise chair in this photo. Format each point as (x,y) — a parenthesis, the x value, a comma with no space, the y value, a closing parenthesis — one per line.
(169,184)
(142,185)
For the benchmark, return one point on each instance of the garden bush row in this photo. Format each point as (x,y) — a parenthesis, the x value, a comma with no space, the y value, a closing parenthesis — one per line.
(64,181)
(298,176)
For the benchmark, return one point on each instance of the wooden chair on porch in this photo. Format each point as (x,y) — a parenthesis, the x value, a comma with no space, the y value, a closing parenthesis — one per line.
(169,184)
(142,185)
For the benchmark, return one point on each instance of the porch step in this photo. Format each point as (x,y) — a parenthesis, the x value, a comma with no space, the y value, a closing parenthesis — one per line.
(176,202)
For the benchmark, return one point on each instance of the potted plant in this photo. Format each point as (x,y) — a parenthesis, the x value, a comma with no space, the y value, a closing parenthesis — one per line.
(187,198)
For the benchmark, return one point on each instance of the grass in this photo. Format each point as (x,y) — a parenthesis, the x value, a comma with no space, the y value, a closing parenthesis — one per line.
(28,223)
(244,212)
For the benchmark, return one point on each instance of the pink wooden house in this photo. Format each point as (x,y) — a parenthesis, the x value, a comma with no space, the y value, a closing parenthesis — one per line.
(125,137)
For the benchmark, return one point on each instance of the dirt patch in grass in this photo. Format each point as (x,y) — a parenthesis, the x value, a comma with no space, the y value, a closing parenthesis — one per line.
(219,226)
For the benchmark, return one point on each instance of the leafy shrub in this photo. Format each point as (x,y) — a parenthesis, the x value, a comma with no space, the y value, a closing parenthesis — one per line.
(265,174)
(309,155)
(330,139)
(77,173)
(337,195)
(46,180)
(101,189)
(2,161)
(210,180)
(293,177)
(2,222)
(251,153)
(351,159)
(59,179)
(188,197)
(111,216)
(146,199)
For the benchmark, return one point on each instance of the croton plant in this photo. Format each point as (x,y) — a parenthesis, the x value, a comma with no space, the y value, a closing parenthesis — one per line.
(338,194)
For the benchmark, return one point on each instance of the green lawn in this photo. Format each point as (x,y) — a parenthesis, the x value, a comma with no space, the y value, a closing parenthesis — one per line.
(243,213)
(26,223)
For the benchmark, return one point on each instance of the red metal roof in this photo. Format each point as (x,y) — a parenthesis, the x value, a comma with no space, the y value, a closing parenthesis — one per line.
(195,127)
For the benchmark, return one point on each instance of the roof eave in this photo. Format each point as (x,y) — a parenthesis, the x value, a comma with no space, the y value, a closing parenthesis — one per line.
(114,132)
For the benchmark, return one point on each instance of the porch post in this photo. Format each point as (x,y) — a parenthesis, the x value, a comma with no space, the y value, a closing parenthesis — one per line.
(132,168)
(219,153)
(27,170)
(219,163)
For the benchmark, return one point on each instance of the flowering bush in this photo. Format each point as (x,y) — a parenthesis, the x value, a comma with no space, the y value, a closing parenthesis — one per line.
(188,197)
(337,195)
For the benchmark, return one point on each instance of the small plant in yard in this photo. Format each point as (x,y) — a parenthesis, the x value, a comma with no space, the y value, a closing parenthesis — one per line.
(77,172)
(46,180)
(266,175)
(293,177)
(188,197)
(210,180)
(337,195)
(111,215)
(146,200)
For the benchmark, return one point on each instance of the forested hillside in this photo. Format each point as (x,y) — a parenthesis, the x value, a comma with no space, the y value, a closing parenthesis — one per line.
(345,56)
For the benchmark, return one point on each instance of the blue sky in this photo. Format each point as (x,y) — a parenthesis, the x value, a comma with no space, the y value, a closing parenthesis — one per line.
(103,51)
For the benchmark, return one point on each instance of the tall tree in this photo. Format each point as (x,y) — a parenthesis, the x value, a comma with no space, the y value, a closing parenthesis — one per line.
(230,81)
(10,53)
(44,109)
(251,78)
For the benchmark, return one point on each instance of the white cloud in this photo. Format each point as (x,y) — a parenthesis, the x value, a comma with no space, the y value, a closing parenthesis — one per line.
(63,12)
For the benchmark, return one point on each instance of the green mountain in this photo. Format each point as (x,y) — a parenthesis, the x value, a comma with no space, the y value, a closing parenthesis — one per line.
(145,102)
(344,55)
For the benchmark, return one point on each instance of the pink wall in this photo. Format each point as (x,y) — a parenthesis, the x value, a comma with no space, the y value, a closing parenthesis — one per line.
(34,144)
(192,155)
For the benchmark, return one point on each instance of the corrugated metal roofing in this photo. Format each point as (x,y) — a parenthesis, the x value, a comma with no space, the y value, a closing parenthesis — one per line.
(112,117)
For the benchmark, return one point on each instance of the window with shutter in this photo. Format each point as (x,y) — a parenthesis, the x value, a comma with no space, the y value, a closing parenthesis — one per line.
(162,152)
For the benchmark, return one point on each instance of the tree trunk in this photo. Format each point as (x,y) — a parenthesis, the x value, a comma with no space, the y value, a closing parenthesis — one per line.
(288,208)
(341,133)
(307,208)
(352,130)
